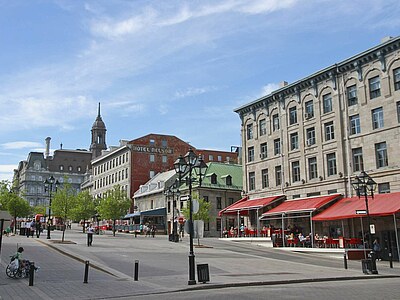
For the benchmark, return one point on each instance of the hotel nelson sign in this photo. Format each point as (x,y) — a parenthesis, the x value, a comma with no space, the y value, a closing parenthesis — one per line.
(152,149)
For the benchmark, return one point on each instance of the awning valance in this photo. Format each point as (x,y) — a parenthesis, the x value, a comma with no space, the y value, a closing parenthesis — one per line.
(380,205)
(304,205)
(132,215)
(154,212)
(244,205)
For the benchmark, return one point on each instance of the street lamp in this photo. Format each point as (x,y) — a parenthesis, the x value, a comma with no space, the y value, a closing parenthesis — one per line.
(171,192)
(50,185)
(182,166)
(364,185)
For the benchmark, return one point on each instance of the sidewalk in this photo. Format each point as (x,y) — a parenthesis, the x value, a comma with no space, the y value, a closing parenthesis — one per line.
(163,267)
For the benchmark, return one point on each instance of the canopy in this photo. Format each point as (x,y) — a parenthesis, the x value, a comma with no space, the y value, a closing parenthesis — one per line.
(243,206)
(154,212)
(379,205)
(301,205)
(128,216)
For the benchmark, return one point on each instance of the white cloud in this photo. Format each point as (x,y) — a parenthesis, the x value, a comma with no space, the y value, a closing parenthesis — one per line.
(7,172)
(189,92)
(269,88)
(20,145)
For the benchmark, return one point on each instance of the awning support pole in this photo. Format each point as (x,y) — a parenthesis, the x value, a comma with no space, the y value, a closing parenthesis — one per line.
(312,231)
(283,230)
(397,237)
(238,222)
(258,224)
(343,229)
(363,238)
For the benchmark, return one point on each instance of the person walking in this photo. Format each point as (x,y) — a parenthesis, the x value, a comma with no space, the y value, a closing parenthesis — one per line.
(377,249)
(90,232)
(153,230)
(33,227)
(28,228)
(38,229)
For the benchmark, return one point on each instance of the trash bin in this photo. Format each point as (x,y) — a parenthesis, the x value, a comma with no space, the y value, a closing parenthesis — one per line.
(366,266)
(203,274)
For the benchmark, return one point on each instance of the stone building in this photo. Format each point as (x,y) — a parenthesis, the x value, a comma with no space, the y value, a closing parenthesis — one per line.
(312,136)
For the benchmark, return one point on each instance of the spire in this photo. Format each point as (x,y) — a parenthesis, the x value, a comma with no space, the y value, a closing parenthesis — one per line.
(98,114)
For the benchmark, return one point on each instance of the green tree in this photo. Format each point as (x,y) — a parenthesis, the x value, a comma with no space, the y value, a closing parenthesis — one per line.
(63,203)
(202,214)
(114,205)
(17,207)
(85,207)
(39,210)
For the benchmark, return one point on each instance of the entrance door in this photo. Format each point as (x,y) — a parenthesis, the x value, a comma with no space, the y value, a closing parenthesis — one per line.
(388,244)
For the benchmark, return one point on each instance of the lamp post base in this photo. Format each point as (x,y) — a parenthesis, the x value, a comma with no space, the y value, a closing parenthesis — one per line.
(192,278)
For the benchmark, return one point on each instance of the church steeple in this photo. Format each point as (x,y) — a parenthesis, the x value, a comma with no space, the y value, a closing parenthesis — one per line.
(98,136)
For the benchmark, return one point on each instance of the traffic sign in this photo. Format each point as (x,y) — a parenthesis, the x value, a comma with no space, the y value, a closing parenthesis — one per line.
(361,212)
(185,198)
(181,220)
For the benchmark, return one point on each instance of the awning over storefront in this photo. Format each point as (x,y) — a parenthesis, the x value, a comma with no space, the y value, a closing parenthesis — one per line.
(244,205)
(128,216)
(296,206)
(380,205)
(154,212)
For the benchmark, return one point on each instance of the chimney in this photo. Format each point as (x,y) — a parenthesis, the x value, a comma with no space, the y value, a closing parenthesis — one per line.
(47,153)
(283,84)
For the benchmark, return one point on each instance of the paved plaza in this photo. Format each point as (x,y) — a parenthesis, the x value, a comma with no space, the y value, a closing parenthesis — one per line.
(163,266)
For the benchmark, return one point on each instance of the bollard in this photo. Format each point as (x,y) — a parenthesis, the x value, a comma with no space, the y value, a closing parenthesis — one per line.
(31,273)
(136,270)
(345,260)
(85,279)
(391,260)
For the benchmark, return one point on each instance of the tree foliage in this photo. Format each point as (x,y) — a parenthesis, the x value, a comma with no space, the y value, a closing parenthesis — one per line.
(63,203)
(204,209)
(85,207)
(115,205)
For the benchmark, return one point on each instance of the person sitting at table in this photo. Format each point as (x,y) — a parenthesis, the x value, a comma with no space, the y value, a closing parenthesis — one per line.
(225,233)
(302,239)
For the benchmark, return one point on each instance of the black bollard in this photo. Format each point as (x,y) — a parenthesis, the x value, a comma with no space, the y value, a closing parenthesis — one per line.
(85,279)
(391,260)
(136,270)
(31,273)
(345,260)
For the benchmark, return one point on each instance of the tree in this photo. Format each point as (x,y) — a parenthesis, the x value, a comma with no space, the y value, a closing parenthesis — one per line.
(203,212)
(114,205)
(85,207)
(63,203)
(17,207)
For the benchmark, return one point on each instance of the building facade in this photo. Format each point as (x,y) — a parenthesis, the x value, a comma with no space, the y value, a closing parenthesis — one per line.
(313,136)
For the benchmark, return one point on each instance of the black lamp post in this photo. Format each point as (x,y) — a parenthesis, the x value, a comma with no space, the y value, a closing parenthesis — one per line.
(182,166)
(171,192)
(50,185)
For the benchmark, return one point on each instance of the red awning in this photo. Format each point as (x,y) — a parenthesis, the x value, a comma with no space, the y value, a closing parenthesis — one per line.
(244,205)
(301,205)
(380,205)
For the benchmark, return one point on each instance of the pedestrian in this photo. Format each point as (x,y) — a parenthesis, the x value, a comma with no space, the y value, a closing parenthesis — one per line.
(8,231)
(33,227)
(153,230)
(27,228)
(377,249)
(90,232)
(38,228)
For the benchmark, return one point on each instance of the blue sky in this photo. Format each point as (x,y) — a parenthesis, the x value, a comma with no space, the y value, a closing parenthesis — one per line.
(168,67)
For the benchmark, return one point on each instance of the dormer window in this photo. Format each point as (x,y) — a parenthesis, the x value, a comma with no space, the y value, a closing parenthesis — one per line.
(70,168)
(228,180)
(61,168)
(214,179)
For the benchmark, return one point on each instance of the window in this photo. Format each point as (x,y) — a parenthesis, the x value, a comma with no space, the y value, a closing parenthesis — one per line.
(164,143)
(164,159)
(263,127)
(210,157)
(331,163)
(358,164)
(252,181)
(374,87)
(384,188)
(264,178)
(278,175)
(352,95)
(332,191)
(295,171)
(292,115)
(70,168)
(381,155)
(218,222)
(396,78)
(229,180)
(329,131)
(377,118)
(327,103)
(249,131)
(205,198)
(219,202)
(263,150)
(206,226)
(310,134)
(398,111)
(294,141)
(312,168)
(230,201)
(309,107)
(355,127)
(214,178)
(277,146)
(219,158)
(152,157)
(275,122)
(250,152)
(151,174)
(79,169)
(152,141)
(61,168)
